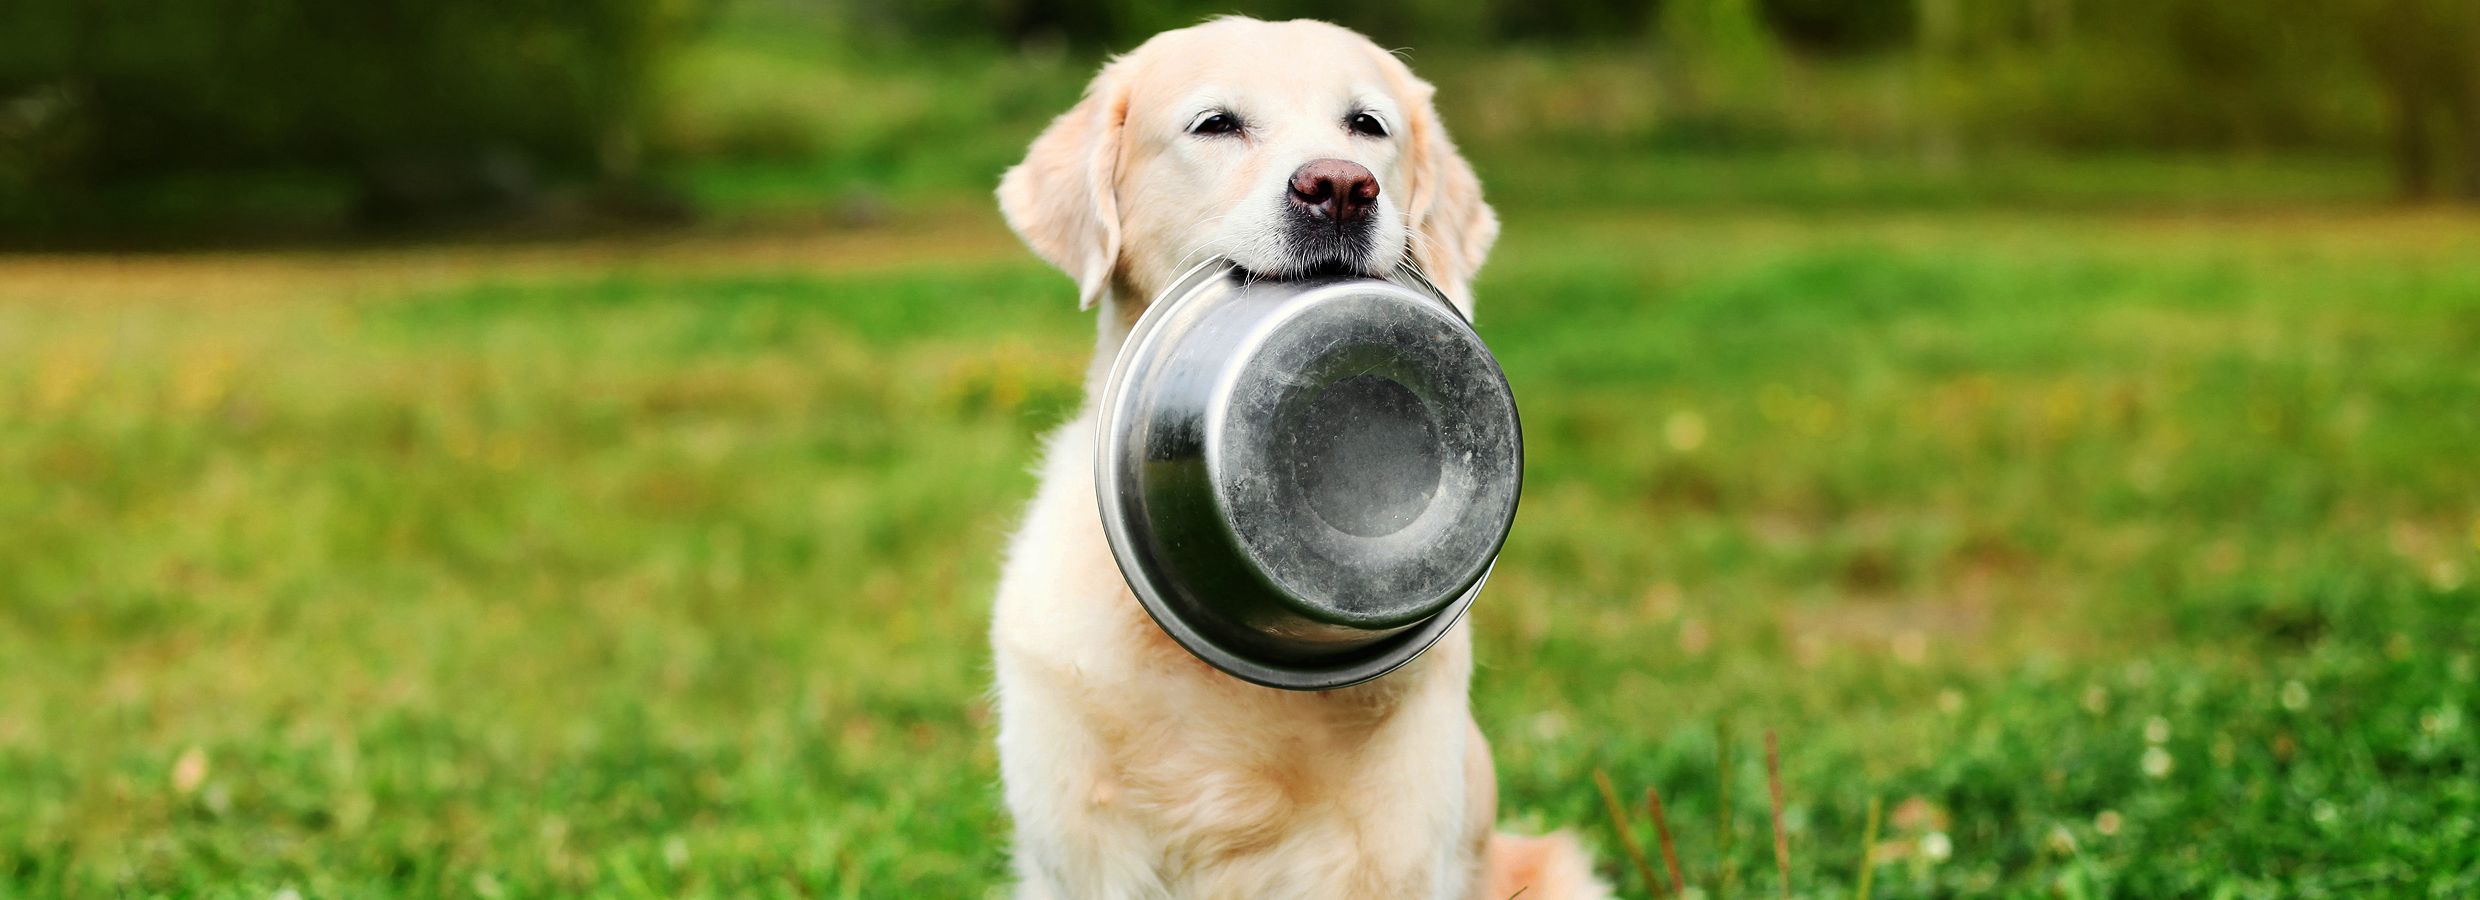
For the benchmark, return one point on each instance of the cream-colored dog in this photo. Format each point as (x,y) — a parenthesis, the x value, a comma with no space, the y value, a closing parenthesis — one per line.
(1133,769)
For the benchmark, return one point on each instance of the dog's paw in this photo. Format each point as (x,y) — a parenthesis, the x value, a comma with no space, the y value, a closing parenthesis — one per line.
(1549,867)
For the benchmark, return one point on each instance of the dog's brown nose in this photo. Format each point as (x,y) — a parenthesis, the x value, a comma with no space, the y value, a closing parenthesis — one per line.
(1334,189)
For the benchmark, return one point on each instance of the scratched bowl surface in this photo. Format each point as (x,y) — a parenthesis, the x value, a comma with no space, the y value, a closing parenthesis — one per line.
(1306,482)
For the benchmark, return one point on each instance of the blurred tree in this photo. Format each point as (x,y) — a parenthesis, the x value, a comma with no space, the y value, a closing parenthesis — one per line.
(2146,74)
(1572,21)
(448,105)
(428,104)
(1120,24)
(2425,55)
(1723,53)
(1840,27)
(2283,72)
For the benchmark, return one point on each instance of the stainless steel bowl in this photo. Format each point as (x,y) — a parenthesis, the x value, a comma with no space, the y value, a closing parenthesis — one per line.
(1306,482)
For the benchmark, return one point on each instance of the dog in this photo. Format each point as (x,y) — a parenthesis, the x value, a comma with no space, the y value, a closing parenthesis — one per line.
(1133,769)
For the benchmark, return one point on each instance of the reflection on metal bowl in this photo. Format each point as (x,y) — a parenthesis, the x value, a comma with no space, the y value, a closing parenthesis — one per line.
(1306,482)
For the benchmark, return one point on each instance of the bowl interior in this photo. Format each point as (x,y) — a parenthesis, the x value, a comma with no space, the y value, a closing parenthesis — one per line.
(1366,455)
(1305,482)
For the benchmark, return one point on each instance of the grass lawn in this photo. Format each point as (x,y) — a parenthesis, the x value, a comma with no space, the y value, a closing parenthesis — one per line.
(2119,552)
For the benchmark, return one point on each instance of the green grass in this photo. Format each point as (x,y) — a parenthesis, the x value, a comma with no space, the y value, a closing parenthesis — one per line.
(2116,521)
(644,569)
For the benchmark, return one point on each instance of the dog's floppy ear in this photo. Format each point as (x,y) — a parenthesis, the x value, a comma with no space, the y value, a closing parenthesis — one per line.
(1061,199)
(1452,227)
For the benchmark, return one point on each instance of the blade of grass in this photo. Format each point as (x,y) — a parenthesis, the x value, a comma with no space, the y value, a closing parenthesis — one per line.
(1868,849)
(1662,833)
(1726,868)
(1782,840)
(1627,837)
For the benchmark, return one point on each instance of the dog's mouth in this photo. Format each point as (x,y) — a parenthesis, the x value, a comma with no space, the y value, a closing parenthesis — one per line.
(1355,261)
(1315,247)
(1330,268)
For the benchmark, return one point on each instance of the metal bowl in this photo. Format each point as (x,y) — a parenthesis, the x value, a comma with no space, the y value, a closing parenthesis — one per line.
(1306,482)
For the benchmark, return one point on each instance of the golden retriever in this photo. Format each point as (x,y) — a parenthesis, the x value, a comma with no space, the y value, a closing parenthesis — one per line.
(1133,769)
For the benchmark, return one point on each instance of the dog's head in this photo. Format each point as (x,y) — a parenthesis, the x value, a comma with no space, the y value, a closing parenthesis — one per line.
(1290,148)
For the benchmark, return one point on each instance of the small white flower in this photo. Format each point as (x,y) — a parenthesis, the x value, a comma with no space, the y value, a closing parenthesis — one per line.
(2157,730)
(2323,812)
(1936,846)
(2157,762)
(2294,696)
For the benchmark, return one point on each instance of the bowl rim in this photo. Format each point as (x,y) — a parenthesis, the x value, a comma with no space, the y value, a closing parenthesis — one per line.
(1143,573)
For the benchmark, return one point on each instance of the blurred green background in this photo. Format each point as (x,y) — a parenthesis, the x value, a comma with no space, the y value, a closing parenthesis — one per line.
(530,449)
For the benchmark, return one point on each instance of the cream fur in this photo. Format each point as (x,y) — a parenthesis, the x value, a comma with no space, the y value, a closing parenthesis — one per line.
(1134,770)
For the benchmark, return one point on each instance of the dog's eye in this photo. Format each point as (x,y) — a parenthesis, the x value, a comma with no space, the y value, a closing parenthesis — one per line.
(1365,124)
(1215,123)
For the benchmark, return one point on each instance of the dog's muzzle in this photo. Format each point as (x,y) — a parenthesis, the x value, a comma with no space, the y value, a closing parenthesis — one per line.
(1306,482)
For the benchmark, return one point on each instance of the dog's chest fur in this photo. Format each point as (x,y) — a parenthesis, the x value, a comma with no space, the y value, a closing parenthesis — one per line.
(1135,770)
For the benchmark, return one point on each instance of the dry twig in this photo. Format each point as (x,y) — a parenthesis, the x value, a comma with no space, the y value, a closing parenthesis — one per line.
(1627,837)
(1662,832)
